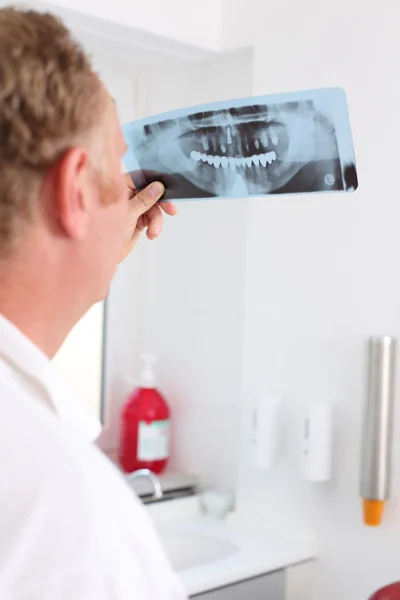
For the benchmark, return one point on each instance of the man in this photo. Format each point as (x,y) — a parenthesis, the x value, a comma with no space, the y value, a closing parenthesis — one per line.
(70,529)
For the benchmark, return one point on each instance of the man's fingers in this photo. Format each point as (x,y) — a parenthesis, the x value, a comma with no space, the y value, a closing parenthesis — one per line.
(155,222)
(148,197)
(169,208)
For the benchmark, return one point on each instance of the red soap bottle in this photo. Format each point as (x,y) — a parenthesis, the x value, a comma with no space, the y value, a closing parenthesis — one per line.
(145,425)
(390,592)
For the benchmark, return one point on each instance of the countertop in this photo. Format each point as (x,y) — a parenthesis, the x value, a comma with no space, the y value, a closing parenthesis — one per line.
(260,547)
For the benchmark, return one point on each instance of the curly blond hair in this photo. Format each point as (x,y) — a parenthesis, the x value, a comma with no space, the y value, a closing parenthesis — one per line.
(49,102)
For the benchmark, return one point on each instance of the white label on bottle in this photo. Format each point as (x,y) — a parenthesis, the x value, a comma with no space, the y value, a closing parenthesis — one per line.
(153,440)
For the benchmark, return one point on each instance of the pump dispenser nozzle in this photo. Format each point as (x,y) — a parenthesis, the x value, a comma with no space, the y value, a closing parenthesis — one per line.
(147,378)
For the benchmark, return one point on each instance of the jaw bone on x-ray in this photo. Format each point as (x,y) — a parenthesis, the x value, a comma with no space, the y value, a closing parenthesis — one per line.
(282,144)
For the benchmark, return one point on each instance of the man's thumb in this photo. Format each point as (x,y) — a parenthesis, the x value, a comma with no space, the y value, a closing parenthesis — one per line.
(149,196)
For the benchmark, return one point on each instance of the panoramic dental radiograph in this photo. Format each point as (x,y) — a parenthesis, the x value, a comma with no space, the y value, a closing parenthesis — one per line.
(293,143)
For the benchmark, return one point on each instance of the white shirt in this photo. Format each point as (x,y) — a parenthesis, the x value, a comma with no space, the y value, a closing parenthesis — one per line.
(70,528)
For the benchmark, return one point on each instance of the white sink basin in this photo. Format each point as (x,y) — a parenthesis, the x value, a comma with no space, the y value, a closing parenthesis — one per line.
(187,549)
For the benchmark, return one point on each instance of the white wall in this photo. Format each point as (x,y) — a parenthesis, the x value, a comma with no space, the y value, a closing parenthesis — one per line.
(322,275)
(177,20)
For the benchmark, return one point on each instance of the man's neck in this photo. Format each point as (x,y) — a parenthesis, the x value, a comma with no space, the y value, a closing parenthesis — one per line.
(38,300)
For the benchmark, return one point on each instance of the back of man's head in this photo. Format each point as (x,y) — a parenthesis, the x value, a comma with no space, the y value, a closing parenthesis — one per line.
(49,101)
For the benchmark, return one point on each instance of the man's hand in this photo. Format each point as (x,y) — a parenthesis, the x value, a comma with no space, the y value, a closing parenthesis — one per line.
(144,213)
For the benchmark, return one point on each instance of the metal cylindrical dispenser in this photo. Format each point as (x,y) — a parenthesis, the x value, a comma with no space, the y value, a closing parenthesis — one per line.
(377,428)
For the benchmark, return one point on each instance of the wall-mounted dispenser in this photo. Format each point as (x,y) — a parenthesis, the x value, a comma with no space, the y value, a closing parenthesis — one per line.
(266,433)
(317,444)
(377,429)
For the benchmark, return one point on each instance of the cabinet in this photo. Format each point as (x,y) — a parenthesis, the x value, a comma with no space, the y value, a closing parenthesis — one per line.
(266,587)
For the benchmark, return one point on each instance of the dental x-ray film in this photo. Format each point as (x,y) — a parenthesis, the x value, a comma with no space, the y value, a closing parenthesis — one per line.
(291,143)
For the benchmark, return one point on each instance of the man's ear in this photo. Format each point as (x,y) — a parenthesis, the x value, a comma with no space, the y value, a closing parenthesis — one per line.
(70,187)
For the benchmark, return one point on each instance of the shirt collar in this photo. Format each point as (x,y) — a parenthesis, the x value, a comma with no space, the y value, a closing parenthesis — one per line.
(24,357)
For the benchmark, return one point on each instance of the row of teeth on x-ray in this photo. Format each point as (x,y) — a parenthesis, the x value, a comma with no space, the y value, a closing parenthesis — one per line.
(234,162)
(264,139)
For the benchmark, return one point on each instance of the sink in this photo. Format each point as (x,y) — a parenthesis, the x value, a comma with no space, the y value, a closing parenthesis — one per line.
(188,549)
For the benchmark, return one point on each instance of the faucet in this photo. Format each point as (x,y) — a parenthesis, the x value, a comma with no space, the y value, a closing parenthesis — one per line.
(158,493)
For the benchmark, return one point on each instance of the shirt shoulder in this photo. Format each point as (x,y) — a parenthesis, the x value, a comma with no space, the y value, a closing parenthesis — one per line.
(67,513)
